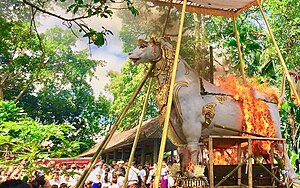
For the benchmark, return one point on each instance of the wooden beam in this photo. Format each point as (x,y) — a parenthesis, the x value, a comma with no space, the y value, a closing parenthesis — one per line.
(250,169)
(207,11)
(204,10)
(239,153)
(122,154)
(114,155)
(143,153)
(155,150)
(211,162)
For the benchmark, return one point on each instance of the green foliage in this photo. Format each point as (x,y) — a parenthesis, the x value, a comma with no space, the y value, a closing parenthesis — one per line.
(285,22)
(23,139)
(10,112)
(14,10)
(122,86)
(52,85)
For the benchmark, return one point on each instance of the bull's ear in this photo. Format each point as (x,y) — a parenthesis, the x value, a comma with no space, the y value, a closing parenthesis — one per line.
(142,42)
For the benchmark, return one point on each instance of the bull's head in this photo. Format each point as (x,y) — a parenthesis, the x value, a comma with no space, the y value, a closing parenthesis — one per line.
(146,51)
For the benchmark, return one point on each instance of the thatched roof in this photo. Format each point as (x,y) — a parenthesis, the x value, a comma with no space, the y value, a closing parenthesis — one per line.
(226,8)
(149,129)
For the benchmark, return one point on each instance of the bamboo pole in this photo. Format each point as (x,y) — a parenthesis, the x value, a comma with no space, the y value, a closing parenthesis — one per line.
(211,162)
(137,134)
(236,130)
(288,76)
(250,166)
(239,155)
(109,135)
(170,98)
(239,49)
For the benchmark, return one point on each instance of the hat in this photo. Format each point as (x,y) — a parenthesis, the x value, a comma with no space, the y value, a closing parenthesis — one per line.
(120,162)
(100,163)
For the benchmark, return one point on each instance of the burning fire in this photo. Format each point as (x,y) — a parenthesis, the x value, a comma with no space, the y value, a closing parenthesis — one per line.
(190,167)
(225,156)
(257,118)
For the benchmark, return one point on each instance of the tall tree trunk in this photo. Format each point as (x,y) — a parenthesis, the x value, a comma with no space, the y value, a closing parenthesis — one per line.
(1,93)
(2,83)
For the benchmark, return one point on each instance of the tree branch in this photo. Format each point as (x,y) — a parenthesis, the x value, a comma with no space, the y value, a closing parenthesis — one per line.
(52,14)
(4,78)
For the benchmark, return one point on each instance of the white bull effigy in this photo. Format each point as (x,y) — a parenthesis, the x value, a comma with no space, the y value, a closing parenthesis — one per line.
(199,105)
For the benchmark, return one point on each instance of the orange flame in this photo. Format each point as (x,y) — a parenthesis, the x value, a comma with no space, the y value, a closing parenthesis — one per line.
(257,118)
(190,167)
(225,156)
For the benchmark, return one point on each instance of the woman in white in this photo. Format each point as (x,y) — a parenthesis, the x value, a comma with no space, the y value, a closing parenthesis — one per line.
(133,178)
(106,179)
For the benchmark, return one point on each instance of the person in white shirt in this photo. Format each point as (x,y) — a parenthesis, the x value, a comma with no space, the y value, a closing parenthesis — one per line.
(69,181)
(132,178)
(97,178)
(142,174)
(99,168)
(120,178)
(114,183)
(106,178)
(171,181)
(55,179)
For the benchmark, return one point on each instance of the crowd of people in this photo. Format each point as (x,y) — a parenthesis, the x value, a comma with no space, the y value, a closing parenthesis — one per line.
(102,176)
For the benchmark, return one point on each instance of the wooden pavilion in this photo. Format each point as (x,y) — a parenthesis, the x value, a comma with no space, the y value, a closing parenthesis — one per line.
(120,145)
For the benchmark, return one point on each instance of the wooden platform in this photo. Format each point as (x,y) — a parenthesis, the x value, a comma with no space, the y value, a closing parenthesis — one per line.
(254,175)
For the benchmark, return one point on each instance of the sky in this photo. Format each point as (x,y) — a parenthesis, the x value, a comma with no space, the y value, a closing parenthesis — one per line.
(111,53)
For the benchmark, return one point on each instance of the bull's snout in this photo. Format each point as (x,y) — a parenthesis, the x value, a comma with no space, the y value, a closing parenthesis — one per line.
(130,53)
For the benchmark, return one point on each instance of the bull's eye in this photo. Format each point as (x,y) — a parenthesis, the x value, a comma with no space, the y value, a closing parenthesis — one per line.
(142,46)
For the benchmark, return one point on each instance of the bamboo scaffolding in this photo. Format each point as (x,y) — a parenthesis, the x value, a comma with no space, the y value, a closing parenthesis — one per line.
(138,131)
(170,99)
(109,135)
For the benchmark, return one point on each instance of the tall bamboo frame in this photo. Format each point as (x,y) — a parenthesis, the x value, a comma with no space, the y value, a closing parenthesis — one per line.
(200,10)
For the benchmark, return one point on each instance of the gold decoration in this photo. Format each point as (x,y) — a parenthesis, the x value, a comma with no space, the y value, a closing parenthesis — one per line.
(199,171)
(163,69)
(178,86)
(161,96)
(221,98)
(208,111)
